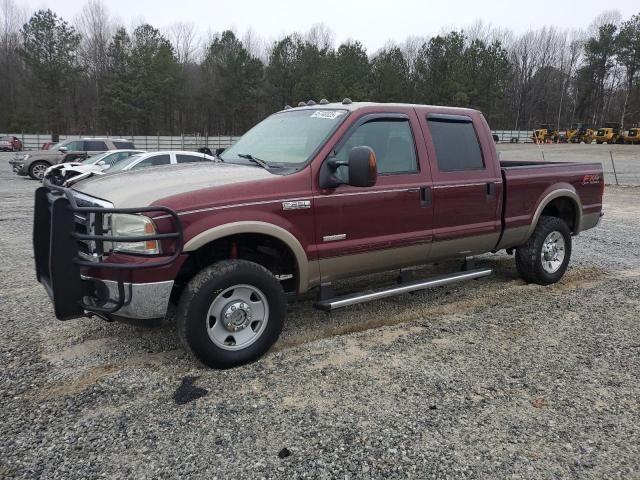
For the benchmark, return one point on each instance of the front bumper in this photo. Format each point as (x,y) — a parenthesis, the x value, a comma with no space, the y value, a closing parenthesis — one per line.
(141,300)
(60,243)
(18,167)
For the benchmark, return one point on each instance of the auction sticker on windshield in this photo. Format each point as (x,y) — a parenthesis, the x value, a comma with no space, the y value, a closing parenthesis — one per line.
(328,114)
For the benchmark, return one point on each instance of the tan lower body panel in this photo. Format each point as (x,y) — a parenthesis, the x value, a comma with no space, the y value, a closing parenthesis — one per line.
(336,268)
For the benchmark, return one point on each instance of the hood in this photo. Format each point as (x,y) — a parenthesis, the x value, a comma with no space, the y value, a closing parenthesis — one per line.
(143,187)
(45,154)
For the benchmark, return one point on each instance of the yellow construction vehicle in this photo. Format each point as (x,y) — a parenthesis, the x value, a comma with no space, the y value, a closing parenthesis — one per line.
(547,133)
(610,133)
(580,132)
(632,136)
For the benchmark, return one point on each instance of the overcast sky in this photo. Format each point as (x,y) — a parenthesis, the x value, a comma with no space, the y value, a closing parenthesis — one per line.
(373,22)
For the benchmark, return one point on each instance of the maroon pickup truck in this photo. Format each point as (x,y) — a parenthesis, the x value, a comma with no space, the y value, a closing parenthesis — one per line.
(310,195)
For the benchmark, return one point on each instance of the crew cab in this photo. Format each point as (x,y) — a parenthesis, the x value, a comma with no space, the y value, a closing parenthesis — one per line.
(310,195)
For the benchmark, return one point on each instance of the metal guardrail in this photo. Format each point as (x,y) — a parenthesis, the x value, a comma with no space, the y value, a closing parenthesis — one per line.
(34,141)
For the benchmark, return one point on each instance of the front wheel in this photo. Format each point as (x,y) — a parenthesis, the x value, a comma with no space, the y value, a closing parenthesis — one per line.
(231,313)
(545,256)
(37,169)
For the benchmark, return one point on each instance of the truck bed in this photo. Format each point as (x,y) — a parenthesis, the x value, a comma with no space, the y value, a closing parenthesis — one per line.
(526,184)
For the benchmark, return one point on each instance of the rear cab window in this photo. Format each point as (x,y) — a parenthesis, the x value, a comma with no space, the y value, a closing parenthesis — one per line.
(456,143)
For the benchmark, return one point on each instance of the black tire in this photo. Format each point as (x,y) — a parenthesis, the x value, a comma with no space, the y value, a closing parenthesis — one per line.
(529,256)
(37,167)
(598,142)
(205,288)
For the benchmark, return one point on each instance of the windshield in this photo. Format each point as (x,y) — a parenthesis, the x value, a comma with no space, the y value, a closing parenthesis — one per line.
(120,164)
(58,145)
(95,158)
(285,139)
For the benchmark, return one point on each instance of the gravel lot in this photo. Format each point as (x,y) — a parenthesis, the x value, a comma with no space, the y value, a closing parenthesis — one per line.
(489,379)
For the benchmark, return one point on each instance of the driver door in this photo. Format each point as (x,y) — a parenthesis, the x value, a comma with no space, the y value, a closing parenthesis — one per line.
(387,226)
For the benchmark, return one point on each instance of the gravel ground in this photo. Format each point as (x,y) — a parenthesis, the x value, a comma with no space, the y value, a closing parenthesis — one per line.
(489,379)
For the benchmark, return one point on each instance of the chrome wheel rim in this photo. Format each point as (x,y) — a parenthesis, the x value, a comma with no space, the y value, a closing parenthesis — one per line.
(553,252)
(237,317)
(38,170)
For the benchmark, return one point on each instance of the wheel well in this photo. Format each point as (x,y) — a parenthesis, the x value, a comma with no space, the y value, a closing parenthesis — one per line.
(563,208)
(270,252)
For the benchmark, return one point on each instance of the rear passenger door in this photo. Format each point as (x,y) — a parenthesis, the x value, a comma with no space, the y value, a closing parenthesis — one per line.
(466,186)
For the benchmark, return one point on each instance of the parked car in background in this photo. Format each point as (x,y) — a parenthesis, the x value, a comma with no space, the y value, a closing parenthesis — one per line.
(35,164)
(59,174)
(10,144)
(141,160)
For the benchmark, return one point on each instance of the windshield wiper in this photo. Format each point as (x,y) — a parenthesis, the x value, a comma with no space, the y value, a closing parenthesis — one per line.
(255,160)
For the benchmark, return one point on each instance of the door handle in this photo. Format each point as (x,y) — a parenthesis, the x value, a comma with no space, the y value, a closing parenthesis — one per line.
(425,196)
(491,189)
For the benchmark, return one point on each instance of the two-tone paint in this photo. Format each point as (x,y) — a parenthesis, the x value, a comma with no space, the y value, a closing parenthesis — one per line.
(404,219)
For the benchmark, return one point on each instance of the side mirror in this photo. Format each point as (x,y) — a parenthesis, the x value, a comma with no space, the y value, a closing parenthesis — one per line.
(63,149)
(362,166)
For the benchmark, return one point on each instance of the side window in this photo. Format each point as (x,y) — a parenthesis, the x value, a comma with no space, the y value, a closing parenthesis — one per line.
(116,157)
(95,146)
(456,143)
(154,161)
(75,146)
(185,158)
(392,141)
(123,145)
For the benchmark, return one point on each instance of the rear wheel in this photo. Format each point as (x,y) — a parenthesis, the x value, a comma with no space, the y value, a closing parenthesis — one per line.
(544,258)
(37,169)
(231,313)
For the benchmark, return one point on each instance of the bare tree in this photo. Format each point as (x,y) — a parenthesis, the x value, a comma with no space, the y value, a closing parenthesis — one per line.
(321,36)
(185,41)
(11,19)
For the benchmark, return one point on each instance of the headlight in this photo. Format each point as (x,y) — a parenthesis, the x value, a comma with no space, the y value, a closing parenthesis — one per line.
(125,225)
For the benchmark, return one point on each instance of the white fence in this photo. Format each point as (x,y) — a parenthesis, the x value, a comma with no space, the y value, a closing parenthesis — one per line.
(34,141)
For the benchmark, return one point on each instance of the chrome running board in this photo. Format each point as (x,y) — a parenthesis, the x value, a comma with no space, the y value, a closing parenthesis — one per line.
(356,298)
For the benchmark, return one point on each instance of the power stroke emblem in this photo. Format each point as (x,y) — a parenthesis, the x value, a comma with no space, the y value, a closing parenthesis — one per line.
(296,204)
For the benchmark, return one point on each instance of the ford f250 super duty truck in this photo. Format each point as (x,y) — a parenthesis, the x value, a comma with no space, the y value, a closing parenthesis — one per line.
(310,195)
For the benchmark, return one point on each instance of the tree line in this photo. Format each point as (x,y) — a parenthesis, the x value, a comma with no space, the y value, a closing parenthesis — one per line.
(95,76)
